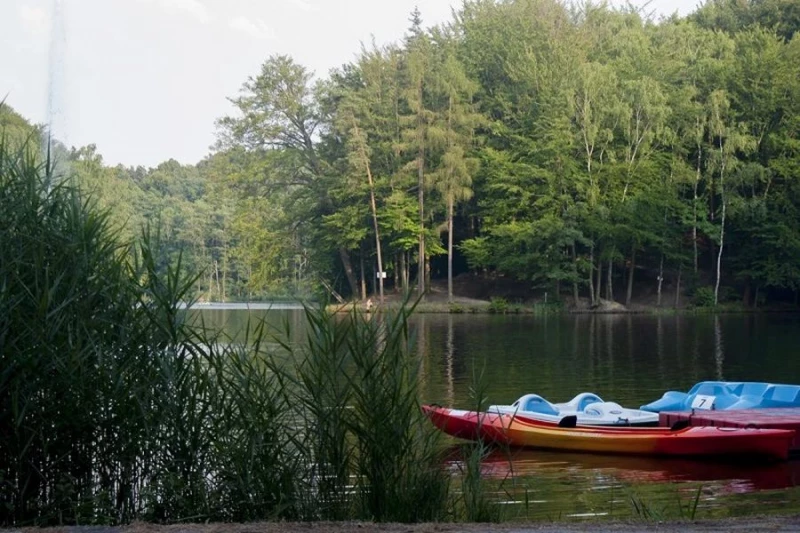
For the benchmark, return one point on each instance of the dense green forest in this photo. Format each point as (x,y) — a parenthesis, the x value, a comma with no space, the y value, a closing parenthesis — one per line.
(578,149)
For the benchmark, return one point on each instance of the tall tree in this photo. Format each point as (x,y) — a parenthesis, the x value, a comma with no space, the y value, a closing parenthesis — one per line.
(418,131)
(729,138)
(458,119)
(279,111)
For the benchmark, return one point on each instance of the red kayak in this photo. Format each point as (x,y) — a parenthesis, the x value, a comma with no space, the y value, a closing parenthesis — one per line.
(518,430)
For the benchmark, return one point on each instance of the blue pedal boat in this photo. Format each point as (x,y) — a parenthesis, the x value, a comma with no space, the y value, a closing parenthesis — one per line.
(728,395)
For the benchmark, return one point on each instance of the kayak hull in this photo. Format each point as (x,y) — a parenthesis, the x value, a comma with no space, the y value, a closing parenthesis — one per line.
(515,430)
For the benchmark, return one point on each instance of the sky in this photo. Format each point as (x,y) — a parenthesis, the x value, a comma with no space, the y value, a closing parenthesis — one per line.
(144,80)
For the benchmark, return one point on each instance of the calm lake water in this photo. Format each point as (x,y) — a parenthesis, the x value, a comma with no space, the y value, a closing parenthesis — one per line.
(630,359)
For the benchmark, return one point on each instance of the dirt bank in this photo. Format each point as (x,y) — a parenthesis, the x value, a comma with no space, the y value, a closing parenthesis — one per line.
(767,523)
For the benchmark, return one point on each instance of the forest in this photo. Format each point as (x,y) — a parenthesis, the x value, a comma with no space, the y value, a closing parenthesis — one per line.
(580,150)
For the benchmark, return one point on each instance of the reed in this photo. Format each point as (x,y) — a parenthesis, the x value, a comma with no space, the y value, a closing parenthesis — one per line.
(115,406)
(398,459)
(477,506)
(372,453)
(649,509)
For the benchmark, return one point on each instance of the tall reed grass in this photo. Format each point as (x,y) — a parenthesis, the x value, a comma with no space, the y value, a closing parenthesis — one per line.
(115,406)
(477,505)
(372,453)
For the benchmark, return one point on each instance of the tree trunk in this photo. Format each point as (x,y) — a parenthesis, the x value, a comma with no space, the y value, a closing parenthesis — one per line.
(575,295)
(225,274)
(746,294)
(660,280)
(216,276)
(610,281)
(428,274)
(630,277)
(421,197)
(403,273)
(599,287)
(721,227)
(678,287)
(450,251)
(363,276)
(591,275)
(694,205)
(373,207)
(344,255)
(755,300)
(396,274)
(408,272)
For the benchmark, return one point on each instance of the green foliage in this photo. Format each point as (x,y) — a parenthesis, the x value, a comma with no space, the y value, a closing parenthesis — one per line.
(498,305)
(94,390)
(17,132)
(704,297)
(570,149)
(117,407)
(644,510)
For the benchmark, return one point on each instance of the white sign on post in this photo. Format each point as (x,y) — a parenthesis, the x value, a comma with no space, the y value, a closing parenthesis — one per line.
(702,401)
(381,275)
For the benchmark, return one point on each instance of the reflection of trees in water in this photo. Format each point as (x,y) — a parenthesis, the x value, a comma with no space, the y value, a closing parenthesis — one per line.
(629,358)
(660,344)
(547,482)
(533,463)
(423,350)
(449,354)
(719,348)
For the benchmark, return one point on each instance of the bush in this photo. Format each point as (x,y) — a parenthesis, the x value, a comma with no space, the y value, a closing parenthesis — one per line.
(498,305)
(703,297)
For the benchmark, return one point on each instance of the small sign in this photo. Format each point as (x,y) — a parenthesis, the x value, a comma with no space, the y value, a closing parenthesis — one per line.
(702,401)
(381,275)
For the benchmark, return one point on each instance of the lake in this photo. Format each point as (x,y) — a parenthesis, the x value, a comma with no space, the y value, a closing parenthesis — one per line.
(630,359)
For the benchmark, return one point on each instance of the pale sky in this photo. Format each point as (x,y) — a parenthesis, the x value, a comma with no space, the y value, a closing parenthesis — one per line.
(145,80)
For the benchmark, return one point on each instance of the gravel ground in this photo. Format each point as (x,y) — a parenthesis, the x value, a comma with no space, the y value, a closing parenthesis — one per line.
(768,523)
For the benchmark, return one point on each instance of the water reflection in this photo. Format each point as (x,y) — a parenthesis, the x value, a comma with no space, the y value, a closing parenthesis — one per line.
(719,349)
(524,463)
(552,485)
(449,351)
(630,359)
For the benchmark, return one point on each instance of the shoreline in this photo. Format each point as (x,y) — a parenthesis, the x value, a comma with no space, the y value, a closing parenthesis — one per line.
(789,522)
(459,307)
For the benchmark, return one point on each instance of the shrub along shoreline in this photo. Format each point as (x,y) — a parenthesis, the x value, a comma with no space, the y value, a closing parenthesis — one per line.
(503,307)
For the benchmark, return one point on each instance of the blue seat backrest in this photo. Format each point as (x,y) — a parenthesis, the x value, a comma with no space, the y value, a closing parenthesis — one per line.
(586,400)
(783,393)
(537,404)
(752,388)
(713,388)
(708,387)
